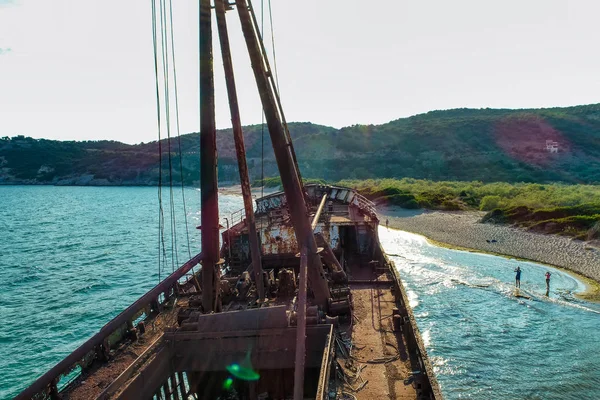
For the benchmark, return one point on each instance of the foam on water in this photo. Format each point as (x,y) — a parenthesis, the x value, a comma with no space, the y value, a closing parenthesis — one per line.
(485,342)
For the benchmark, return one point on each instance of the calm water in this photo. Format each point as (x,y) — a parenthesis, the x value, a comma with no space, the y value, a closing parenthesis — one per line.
(486,343)
(71,258)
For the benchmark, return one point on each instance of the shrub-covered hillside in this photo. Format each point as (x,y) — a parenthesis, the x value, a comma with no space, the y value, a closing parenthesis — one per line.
(572,210)
(487,145)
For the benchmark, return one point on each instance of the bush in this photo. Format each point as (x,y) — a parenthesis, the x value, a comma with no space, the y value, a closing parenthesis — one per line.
(411,204)
(489,203)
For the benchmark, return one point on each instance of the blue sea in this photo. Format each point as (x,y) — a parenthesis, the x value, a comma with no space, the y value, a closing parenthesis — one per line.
(486,343)
(71,258)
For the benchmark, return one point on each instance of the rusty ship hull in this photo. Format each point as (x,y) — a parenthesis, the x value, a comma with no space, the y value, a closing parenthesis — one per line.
(164,346)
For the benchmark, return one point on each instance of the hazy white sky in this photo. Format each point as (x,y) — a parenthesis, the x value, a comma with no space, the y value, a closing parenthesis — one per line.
(83,69)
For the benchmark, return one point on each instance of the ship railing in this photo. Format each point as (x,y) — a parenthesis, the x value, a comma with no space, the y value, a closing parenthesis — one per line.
(238,216)
(273,202)
(365,204)
(110,336)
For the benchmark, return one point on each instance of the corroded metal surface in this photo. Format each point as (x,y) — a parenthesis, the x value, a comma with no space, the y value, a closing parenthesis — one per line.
(283,149)
(238,137)
(339,195)
(220,344)
(208,162)
(279,240)
(301,330)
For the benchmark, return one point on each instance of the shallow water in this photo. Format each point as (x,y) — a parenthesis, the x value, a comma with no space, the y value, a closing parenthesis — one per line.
(71,258)
(486,343)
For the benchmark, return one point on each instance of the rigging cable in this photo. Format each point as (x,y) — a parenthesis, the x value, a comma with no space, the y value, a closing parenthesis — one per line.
(165,59)
(187,232)
(161,242)
(199,117)
(274,87)
(273,47)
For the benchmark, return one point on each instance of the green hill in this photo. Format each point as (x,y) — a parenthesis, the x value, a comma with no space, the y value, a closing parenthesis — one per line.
(465,144)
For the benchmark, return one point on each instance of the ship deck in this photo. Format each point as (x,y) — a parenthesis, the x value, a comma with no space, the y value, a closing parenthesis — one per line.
(372,359)
(377,351)
(100,376)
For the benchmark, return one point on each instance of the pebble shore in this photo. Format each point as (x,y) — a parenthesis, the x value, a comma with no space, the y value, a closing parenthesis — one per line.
(463,229)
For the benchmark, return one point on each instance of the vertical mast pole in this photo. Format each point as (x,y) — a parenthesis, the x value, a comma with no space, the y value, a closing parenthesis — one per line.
(240,149)
(292,185)
(208,163)
(301,331)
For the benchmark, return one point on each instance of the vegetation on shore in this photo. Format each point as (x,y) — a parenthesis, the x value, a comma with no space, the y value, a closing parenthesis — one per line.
(572,210)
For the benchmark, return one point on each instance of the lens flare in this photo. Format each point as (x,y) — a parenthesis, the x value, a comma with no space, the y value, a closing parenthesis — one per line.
(228,383)
(243,373)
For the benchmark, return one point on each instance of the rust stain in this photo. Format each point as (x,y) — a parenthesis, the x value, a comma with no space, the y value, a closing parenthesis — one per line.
(280,239)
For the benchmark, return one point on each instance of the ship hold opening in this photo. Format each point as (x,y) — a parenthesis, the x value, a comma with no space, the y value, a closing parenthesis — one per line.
(241,355)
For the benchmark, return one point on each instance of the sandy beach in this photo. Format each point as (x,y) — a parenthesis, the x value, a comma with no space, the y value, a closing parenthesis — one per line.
(462,229)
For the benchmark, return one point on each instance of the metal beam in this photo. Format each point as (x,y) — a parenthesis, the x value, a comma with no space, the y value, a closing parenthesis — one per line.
(151,377)
(240,149)
(273,83)
(208,163)
(292,185)
(301,330)
(318,213)
(329,256)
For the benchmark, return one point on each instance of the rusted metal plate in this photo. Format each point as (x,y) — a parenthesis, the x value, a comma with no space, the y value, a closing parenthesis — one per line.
(364,238)
(279,240)
(271,349)
(266,350)
(262,318)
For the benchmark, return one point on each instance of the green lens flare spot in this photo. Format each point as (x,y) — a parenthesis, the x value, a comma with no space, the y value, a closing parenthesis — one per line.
(243,373)
(228,383)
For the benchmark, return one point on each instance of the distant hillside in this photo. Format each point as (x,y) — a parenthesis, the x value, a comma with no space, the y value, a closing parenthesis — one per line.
(464,144)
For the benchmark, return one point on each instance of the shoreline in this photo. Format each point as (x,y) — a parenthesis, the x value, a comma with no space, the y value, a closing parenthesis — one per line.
(236,190)
(590,293)
(462,231)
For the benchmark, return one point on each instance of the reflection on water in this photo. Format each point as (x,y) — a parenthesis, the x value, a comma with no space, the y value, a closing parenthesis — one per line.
(483,340)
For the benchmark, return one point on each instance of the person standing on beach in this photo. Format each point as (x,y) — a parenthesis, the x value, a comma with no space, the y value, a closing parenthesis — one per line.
(548,281)
(387,222)
(518,277)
